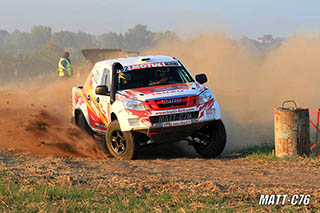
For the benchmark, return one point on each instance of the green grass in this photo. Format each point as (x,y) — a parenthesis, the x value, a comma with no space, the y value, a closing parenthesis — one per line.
(266,152)
(266,148)
(18,197)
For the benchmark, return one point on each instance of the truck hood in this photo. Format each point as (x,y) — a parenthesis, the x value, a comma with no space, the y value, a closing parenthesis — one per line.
(164,91)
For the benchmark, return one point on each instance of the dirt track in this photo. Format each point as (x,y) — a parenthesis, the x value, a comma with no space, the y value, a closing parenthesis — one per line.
(174,172)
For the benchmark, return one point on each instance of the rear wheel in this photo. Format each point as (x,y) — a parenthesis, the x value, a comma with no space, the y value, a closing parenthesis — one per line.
(213,140)
(122,145)
(82,123)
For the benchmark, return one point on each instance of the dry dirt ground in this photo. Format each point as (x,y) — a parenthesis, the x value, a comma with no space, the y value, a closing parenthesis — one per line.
(163,169)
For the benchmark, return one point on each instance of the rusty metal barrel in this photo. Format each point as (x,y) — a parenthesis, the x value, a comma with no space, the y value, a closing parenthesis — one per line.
(291,130)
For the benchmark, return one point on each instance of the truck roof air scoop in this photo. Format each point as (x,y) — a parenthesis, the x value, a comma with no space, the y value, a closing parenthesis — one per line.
(95,55)
(145,59)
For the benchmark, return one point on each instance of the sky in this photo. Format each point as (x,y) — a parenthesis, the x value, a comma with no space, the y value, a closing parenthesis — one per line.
(236,18)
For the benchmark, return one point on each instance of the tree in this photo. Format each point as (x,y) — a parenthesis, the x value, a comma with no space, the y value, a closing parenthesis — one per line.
(138,38)
(85,40)
(3,36)
(110,40)
(52,51)
(18,43)
(7,68)
(67,39)
(64,39)
(40,35)
(161,37)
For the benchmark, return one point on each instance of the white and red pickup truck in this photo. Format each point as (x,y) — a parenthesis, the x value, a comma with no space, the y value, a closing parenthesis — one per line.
(140,100)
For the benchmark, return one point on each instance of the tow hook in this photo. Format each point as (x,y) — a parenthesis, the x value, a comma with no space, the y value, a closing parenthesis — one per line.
(195,140)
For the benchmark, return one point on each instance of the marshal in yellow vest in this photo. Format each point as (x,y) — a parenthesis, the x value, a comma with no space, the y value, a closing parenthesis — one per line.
(64,71)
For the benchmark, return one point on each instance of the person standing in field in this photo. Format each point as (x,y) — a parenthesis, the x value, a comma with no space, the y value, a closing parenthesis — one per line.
(64,66)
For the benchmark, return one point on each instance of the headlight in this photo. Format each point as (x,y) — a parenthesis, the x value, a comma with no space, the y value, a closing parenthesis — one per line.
(205,96)
(133,104)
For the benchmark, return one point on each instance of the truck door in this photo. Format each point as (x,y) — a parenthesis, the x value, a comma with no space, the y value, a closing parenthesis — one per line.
(103,101)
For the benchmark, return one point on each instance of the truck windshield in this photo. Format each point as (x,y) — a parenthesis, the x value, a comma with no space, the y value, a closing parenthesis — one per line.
(152,77)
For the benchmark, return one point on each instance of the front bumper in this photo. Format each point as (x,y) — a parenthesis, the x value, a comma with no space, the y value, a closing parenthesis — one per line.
(173,133)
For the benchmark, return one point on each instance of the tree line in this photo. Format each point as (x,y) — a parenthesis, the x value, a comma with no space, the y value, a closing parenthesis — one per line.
(26,54)
(135,39)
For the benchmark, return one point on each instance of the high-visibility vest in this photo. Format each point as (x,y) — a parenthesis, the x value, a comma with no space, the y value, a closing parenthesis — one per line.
(62,71)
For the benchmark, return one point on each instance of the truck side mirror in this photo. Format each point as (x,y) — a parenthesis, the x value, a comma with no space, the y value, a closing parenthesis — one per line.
(102,90)
(201,78)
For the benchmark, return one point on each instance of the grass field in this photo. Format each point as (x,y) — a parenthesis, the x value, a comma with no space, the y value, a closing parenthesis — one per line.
(22,191)
(17,197)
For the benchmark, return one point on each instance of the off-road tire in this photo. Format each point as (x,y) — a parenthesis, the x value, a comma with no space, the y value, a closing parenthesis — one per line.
(114,136)
(216,142)
(82,123)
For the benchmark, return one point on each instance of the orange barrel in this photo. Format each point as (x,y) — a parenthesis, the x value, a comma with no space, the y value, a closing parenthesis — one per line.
(291,130)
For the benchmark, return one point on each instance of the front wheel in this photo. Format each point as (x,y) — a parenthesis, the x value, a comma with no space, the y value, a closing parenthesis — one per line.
(121,145)
(214,138)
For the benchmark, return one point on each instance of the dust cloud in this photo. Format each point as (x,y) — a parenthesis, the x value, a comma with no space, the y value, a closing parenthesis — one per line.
(249,85)
(35,114)
(36,119)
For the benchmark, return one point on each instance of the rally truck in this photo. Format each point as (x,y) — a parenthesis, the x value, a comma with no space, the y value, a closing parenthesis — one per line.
(135,101)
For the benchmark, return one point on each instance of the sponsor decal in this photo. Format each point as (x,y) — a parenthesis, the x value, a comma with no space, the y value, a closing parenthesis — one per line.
(175,111)
(171,63)
(211,112)
(172,101)
(168,92)
(144,66)
(175,117)
(169,89)
(176,123)
(167,124)
(162,88)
